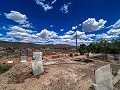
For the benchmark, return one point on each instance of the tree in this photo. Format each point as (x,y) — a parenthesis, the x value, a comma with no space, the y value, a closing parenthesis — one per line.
(83,49)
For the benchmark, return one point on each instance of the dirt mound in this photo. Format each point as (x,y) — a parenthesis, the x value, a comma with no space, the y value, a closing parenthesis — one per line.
(18,73)
(117,85)
(61,76)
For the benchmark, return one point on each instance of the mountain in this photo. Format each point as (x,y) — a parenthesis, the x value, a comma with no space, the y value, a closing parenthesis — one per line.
(47,49)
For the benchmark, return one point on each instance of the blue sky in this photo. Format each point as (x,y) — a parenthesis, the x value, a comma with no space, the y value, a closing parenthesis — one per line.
(53,21)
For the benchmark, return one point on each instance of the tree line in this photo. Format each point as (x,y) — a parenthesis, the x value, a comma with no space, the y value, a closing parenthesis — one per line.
(103,46)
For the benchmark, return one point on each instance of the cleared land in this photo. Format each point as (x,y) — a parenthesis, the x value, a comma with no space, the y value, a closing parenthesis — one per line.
(62,75)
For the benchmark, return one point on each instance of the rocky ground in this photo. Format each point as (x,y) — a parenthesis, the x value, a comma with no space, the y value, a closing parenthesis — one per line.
(58,76)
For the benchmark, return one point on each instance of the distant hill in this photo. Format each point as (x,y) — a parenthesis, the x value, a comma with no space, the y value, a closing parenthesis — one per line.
(21,45)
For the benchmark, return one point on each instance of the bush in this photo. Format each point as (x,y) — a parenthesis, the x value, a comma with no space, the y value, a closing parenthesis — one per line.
(76,55)
(71,55)
(81,53)
(5,67)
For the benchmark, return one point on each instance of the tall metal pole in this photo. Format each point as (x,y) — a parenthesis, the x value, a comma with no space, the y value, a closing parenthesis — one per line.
(76,35)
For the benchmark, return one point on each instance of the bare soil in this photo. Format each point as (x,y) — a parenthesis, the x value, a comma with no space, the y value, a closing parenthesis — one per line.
(59,76)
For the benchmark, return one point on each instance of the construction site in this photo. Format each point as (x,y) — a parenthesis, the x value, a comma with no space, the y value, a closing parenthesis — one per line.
(59,45)
(59,72)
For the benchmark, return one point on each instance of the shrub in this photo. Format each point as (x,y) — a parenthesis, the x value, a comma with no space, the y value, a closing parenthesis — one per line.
(71,55)
(5,67)
(81,53)
(76,55)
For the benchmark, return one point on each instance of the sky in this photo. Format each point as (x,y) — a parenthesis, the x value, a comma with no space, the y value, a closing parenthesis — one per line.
(58,21)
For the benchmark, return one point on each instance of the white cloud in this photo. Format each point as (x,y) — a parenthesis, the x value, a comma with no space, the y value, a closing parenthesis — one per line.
(65,8)
(19,29)
(105,36)
(70,32)
(47,34)
(79,25)
(74,27)
(1,34)
(17,17)
(7,39)
(18,34)
(62,41)
(92,25)
(114,31)
(80,35)
(27,25)
(53,1)
(66,37)
(91,35)
(3,27)
(51,25)
(28,40)
(46,7)
(61,30)
(90,39)
(116,25)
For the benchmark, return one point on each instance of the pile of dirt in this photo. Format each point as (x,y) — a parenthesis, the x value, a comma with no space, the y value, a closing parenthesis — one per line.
(61,76)
(18,73)
(117,85)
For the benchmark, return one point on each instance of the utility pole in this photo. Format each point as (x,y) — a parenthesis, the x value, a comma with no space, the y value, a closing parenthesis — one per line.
(76,35)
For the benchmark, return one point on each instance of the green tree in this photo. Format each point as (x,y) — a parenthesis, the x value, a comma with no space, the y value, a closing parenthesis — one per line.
(83,49)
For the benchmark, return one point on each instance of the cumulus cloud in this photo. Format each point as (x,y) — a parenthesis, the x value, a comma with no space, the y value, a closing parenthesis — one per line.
(79,35)
(105,36)
(62,41)
(7,39)
(65,7)
(92,25)
(17,17)
(46,7)
(74,27)
(91,35)
(18,34)
(70,32)
(19,29)
(65,37)
(47,34)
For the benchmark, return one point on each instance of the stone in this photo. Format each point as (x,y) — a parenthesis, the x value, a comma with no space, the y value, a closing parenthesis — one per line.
(37,65)
(37,56)
(23,59)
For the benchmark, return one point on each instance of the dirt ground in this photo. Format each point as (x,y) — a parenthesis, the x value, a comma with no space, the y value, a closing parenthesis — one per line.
(59,76)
